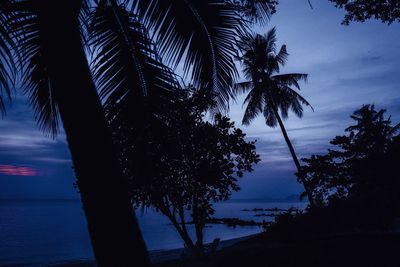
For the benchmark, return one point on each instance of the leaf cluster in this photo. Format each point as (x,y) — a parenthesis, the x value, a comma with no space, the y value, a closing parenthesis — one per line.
(268,91)
(363,163)
(188,162)
(132,49)
(388,11)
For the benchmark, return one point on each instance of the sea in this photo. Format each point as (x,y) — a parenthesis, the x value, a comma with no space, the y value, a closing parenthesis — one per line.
(45,232)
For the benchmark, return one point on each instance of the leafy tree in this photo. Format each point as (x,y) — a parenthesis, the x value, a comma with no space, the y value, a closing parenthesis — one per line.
(194,163)
(388,11)
(364,163)
(45,38)
(269,92)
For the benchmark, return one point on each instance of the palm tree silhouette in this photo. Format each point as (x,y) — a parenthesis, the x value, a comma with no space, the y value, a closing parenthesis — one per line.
(269,92)
(54,41)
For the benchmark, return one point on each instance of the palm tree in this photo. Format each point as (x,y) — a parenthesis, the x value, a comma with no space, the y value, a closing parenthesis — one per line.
(269,92)
(59,84)
(126,70)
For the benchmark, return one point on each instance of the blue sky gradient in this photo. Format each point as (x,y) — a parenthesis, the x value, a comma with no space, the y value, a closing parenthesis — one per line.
(347,65)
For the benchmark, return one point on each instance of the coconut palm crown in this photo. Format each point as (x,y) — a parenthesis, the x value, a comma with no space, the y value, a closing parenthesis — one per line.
(269,92)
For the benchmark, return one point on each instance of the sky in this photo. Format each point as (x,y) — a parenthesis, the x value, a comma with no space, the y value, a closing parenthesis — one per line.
(347,65)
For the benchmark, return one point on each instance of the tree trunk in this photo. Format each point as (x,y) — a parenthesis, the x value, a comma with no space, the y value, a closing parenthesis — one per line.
(182,231)
(183,223)
(199,236)
(295,159)
(198,224)
(113,229)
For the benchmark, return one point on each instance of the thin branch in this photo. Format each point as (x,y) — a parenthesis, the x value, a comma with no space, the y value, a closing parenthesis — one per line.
(309,2)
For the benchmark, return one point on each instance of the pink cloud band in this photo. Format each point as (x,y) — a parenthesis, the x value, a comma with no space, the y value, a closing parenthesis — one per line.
(17,170)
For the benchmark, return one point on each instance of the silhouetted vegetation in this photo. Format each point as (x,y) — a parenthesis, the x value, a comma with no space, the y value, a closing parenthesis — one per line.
(136,136)
(356,184)
(255,10)
(388,11)
(194,163)
(362,164)
(269,92)
(347,250)
(233,222)
(68,51)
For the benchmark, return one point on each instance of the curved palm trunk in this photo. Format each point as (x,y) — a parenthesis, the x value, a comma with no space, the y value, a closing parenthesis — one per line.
(295,159)
(113,229)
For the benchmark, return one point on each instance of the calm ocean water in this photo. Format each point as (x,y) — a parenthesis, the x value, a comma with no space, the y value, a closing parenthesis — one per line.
(49,231)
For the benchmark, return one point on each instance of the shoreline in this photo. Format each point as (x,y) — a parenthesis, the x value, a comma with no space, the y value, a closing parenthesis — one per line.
(156,256)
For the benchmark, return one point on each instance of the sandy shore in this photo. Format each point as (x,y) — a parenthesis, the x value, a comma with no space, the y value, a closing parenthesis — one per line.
(156,256)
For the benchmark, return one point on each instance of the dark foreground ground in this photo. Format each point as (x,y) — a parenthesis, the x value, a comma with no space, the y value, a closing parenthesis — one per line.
(355,249)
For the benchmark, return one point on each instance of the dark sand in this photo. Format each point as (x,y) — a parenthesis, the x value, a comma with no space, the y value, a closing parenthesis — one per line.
(350,249)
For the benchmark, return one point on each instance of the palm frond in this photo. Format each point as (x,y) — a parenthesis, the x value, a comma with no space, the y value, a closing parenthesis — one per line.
(33,65)
(255,103)
(7,67)
(270,40)
(259,55)
(258,11)
(202,35)
(126,67)
(242,87)
(282,55)
(270,116)
(290,79)
(297,108)
(293,96)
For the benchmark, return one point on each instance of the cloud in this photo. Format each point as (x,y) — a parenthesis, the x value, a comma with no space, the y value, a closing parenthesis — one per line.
(347,67)
(11,170)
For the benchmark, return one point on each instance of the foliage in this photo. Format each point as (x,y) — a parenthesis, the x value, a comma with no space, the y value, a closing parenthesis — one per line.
(255,10)
(362,162)
(121,53)
(388,11)
(6,58)
(126,68)
(202,36)
(190,163)
(268,90)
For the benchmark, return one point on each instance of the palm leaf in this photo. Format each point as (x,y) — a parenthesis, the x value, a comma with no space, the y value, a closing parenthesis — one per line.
(126,67)
(269,115)
(293,96)
(282,55)
(270,40)
(255,103)
(32,64)
(7,69)
(290,79)
(201,34)
(258,11)
(242,87)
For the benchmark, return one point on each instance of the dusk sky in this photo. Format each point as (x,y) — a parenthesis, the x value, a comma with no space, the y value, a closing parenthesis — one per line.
(347,65)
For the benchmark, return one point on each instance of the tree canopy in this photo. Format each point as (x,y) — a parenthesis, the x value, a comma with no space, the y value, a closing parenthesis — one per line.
(269,92)
(388,11)
(194,163)
(363,163)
